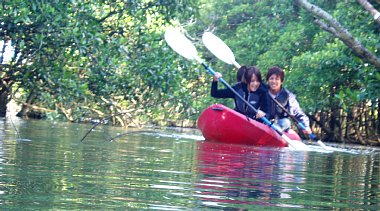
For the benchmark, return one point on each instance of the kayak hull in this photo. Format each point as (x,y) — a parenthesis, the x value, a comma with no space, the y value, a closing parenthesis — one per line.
(219,123)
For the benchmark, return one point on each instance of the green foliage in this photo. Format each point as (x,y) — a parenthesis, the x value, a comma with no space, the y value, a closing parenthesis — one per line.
(320,69)
(85,58)
(316,64)
(90,59)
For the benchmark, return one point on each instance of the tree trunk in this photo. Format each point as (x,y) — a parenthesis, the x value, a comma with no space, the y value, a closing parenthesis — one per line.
(5,91)
(3,103)
(368,6)
(334,125)
(25,108)
(320,119)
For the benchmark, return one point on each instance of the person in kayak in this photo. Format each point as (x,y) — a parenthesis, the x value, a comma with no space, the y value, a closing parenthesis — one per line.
(240,74)
(275,79)
(252,91)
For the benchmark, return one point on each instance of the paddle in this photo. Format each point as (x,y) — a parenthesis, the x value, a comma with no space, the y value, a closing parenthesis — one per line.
(183,46)
(217,47)
(301,125)
(220,49)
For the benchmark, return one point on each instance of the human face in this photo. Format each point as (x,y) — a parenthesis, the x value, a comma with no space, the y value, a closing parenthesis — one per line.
(274,82)
(254,84)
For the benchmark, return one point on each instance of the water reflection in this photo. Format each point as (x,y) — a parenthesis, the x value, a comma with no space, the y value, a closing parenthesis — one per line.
(173,170)
(236,174)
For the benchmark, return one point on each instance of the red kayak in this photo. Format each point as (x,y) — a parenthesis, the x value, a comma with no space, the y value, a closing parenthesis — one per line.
(219,123)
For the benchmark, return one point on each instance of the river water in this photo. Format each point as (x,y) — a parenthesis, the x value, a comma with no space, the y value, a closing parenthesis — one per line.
(44,166)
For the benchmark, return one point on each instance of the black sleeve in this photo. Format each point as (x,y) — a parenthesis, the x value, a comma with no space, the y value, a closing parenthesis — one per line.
(263,105)
(264,102)
(220,93)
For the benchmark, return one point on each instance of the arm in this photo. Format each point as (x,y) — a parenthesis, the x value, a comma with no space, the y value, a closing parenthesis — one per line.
(296,110)
(263,104)
(220,93)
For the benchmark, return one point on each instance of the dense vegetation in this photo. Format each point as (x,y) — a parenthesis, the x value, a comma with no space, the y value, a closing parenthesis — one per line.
(84,60)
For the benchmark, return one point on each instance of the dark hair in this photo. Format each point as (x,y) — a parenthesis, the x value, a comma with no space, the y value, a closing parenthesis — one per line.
(240,73)
(274,70)
(253,70)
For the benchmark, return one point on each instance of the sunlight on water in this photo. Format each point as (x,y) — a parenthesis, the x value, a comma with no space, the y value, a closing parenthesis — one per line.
(46,167)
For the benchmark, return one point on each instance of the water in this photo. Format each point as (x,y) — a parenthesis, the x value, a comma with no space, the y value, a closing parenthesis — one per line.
(44,166)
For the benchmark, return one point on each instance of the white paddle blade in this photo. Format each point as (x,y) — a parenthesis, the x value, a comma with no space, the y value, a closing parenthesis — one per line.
(295,144)
(217,47)
(180,44)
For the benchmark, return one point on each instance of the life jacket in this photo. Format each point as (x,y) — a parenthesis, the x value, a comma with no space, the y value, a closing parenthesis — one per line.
(273,110)
(254,99)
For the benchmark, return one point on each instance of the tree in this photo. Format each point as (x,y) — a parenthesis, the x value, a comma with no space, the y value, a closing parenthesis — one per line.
(84,59)
(332,82)
(329,24)
(352,87)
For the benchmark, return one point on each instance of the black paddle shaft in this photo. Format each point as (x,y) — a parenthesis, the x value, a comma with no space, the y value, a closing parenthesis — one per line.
(302,126)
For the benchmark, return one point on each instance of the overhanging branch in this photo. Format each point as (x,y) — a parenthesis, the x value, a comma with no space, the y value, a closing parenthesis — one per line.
(329,24)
